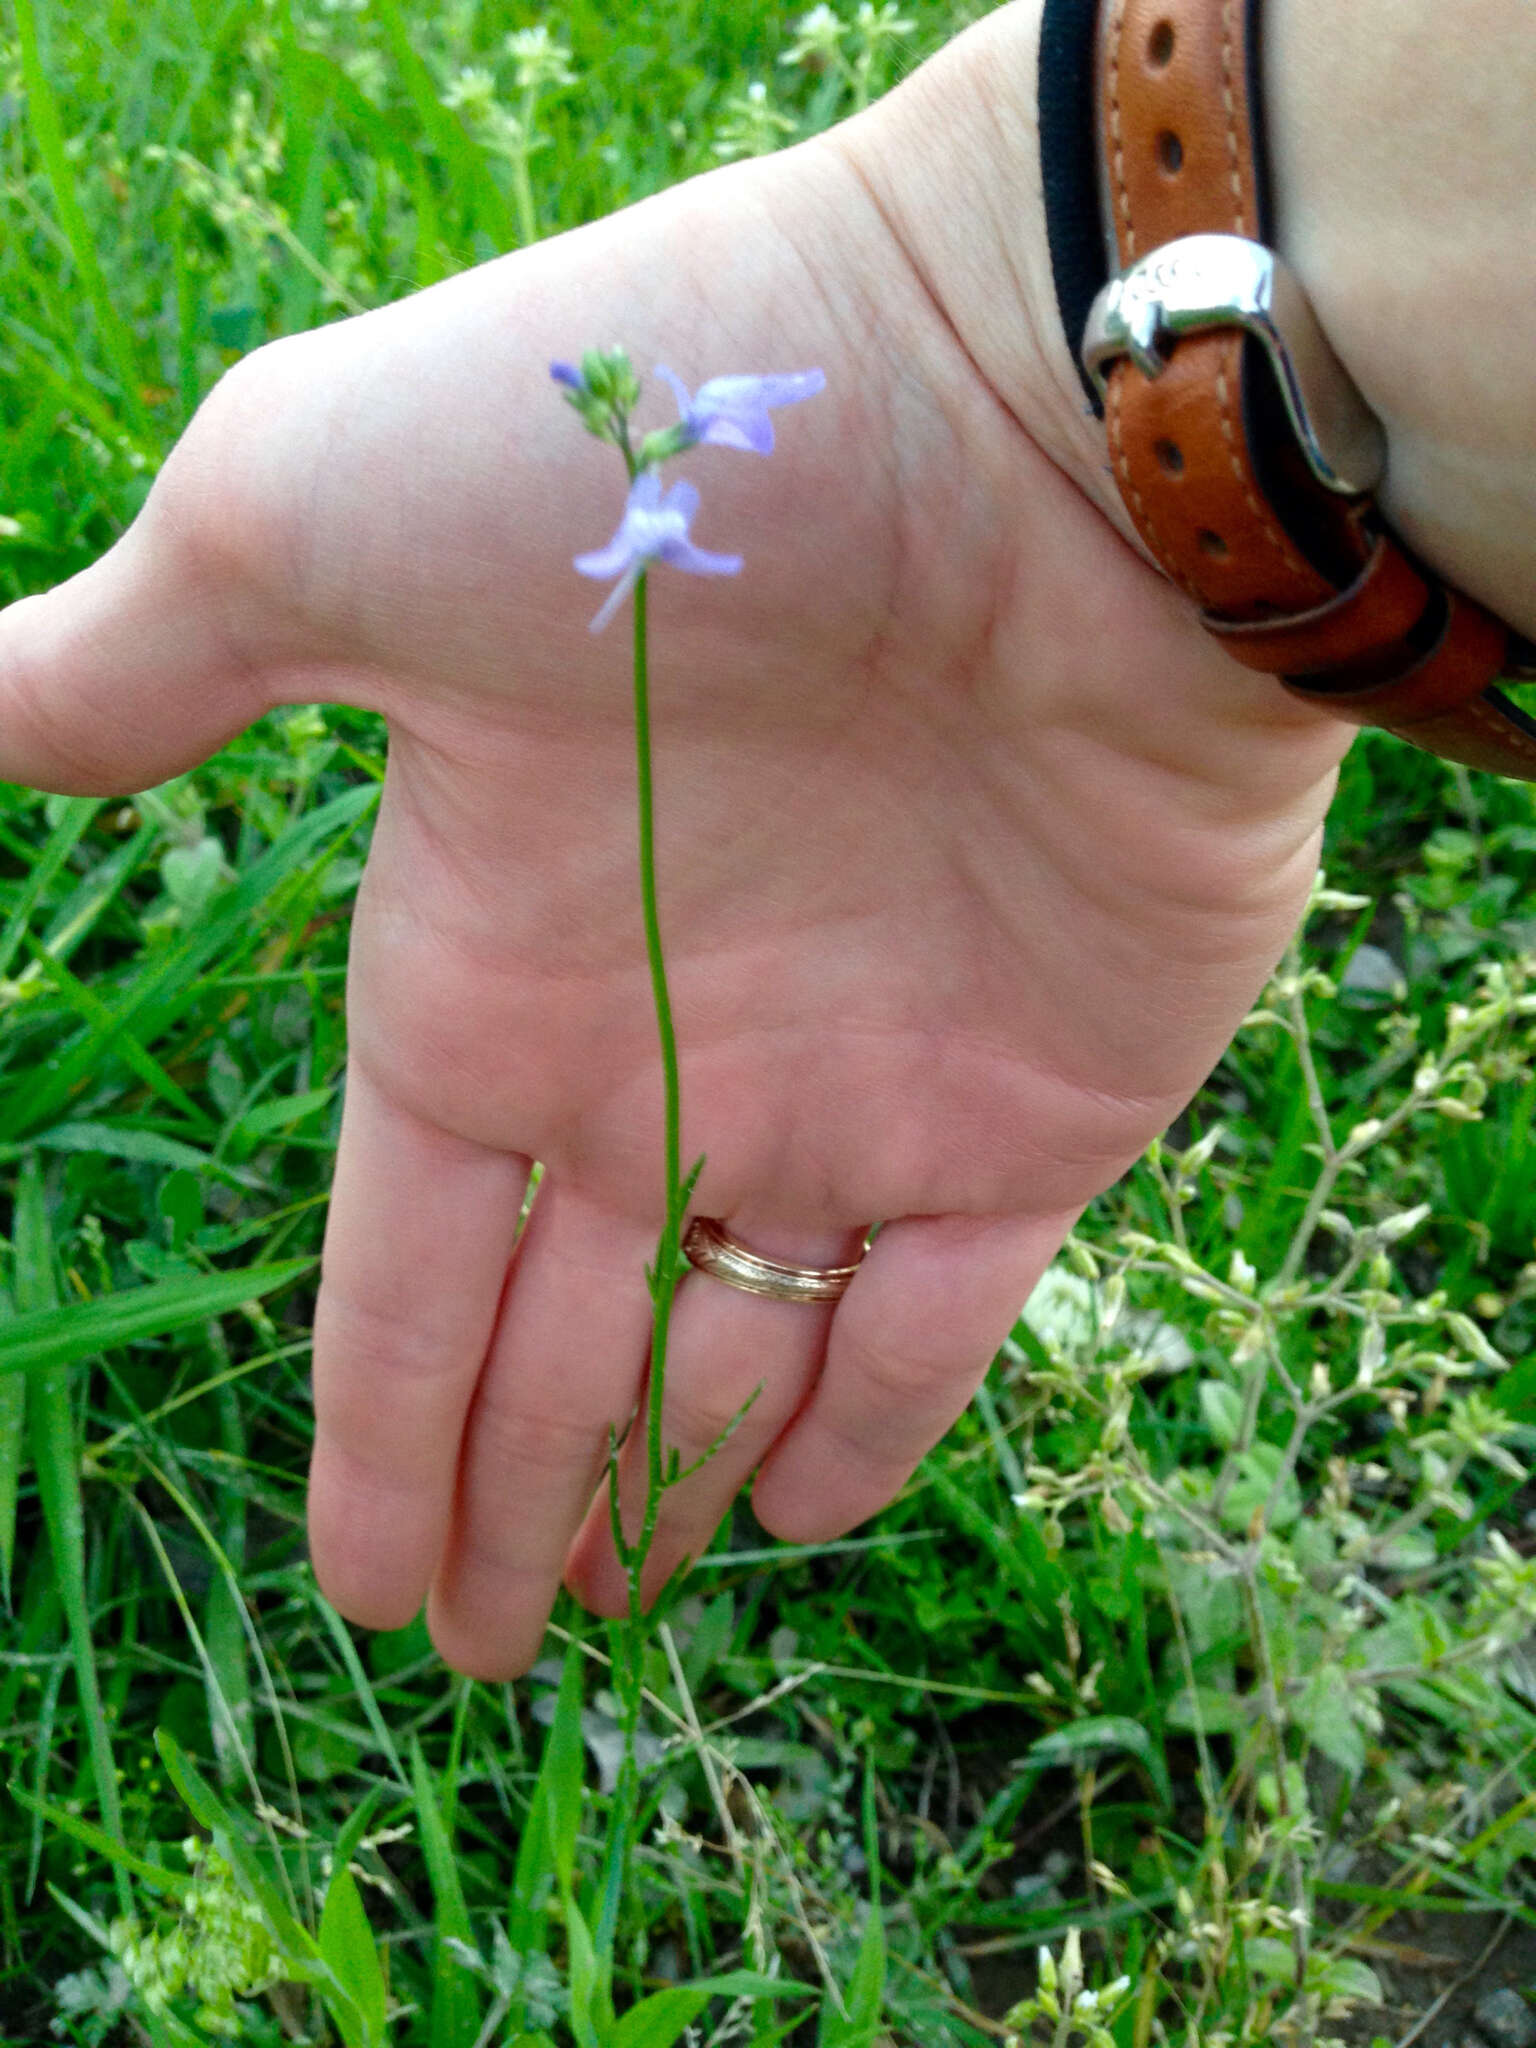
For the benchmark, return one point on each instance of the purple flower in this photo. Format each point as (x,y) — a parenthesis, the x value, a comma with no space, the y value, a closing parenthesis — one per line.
(732,412)
(568,375)
(654,529)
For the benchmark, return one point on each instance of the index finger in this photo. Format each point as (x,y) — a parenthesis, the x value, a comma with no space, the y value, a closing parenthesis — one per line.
(420,1236)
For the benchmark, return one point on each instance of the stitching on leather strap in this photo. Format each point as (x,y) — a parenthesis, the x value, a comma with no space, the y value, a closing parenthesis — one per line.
(1506,734)
(1146,525)
(1117,133)
(1229,99)
(1509,740)
(1269,526)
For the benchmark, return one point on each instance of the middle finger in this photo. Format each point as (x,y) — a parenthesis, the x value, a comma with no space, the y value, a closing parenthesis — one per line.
(564,1365)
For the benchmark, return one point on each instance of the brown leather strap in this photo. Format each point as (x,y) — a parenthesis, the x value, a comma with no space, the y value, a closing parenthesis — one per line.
(1293,578)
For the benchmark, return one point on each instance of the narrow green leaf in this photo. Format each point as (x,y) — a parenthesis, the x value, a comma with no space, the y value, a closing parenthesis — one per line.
(561,1769)
(279,1115)
(52,1337)
(172,1883)
(98,1016)
(53,1440)
(533,1874)
(1081,1741)
(13,1429)
(656,2022)
(455,2015)
(167,984)
(62,841)
(1222,1407)
(48,134)
(866,1991)
(586,1980)
(347,1944)
(346,1649)
(141,1147)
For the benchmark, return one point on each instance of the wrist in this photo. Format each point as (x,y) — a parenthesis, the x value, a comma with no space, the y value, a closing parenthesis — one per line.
(1404,165)
(1404,184)
(952,157)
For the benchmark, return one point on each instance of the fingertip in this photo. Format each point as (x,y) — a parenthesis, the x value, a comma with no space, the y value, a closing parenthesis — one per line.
(373,1568)
(794,1512)
(512,1655)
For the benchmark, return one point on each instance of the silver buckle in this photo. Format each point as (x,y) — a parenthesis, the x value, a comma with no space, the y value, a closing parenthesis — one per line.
(1205,281)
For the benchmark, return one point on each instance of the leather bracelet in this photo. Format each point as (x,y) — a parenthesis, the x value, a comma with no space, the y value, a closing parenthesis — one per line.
(1246,458)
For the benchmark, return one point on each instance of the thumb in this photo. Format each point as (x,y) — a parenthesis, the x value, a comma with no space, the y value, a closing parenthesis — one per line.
(127,674)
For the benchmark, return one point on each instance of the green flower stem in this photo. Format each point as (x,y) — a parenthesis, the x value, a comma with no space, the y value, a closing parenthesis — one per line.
(522,182)
(668,1251)
(629,1663)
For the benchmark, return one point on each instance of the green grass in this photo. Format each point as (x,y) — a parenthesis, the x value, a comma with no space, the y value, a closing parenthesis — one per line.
(1076,1677)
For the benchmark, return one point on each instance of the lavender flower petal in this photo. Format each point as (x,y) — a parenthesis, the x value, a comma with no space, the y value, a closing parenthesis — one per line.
(653,529)
(612,560)
(785,389)
(732,412)
(683,498)
(682,554)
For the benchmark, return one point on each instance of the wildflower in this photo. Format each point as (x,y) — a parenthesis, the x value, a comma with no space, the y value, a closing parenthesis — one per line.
(539,59)
(732,412)
(654,529)
(880,23)
(472,88)
(818,38)
(754,126)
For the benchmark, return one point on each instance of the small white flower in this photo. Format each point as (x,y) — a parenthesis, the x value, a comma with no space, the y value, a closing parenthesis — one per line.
(473,88)
(539,59)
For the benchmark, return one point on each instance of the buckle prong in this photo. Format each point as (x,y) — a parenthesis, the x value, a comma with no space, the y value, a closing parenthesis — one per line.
(1144,323)
(1208,281)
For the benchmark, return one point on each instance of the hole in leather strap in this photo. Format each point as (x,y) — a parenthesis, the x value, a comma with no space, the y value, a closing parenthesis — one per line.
(1160,46)
(1369,621)
(1170,152)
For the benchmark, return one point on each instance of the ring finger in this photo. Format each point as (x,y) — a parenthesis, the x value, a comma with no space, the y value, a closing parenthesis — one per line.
(728,1352)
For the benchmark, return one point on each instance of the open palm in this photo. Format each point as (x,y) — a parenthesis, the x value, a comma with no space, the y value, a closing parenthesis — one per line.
(972,854)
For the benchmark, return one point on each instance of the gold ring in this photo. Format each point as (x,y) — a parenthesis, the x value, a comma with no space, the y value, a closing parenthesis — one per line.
(710,1247)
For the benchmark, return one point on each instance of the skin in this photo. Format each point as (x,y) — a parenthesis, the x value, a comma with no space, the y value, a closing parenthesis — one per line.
(974,850)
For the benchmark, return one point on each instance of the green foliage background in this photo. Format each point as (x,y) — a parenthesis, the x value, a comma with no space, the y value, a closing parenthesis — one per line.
(1207,1634)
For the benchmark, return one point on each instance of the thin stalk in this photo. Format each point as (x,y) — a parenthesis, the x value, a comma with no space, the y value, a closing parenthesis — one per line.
(522,182)
(664,1284)
(629,1668)
(1332,1160)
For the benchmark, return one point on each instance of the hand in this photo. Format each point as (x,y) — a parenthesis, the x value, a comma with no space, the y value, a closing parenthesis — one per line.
(973,853)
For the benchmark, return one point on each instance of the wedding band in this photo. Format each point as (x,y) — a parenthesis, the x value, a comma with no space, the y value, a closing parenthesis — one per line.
(710,1247)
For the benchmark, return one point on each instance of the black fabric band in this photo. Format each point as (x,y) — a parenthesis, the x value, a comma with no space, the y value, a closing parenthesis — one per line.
(1069,167)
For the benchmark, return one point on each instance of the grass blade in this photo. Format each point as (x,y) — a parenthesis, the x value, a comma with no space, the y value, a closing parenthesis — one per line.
(48,135)
(455,2017)
(42,1339)
(62,841)
(56,1458)
(168,984)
